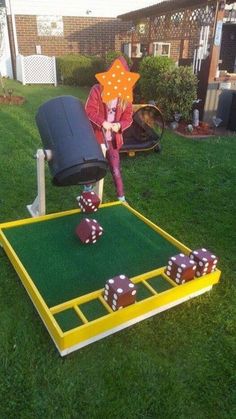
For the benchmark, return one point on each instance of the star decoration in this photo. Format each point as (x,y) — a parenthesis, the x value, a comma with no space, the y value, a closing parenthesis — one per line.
(117,82)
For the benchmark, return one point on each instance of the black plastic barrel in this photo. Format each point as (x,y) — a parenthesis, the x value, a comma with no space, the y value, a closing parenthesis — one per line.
(65,129)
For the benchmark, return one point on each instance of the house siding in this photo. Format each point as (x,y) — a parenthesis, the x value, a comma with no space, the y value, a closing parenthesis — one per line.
(81,35)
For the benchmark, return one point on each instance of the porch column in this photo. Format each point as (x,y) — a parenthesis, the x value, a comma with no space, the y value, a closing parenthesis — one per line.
(215,52)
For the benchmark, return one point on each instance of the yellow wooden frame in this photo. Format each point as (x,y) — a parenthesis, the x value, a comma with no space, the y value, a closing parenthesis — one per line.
(90,331)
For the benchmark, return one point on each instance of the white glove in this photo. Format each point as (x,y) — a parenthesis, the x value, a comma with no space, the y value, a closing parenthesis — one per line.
(116,127)
(107,125)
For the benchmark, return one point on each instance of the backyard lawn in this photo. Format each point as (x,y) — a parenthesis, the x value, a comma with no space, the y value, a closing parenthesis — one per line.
(178,364)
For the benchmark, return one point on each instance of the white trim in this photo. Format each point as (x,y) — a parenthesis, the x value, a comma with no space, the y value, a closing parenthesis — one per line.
(157,46)
(131,322)
(138,53)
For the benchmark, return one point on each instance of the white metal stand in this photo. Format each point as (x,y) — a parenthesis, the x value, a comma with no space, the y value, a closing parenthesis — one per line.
(38,207)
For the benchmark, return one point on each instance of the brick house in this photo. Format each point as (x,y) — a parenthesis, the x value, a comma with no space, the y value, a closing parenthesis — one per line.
(54,28)
(200,33)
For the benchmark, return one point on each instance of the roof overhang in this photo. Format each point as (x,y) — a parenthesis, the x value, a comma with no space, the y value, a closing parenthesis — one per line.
(164,7)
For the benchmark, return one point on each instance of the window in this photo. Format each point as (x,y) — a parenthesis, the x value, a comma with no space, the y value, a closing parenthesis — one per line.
(49,25)
(161,48)
(136,50)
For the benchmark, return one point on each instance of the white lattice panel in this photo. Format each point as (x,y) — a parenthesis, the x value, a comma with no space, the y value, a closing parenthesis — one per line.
(37,69)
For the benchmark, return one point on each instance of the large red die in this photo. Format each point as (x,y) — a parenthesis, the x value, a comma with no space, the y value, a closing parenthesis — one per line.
(119,292)
(181,268)
(205,259)
(89,231)
(88,201)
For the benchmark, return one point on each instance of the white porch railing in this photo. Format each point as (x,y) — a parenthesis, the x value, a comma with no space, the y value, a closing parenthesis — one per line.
(36,69)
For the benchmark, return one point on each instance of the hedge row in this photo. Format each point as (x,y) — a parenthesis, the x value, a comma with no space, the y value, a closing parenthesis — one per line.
(173,88)
(80,70)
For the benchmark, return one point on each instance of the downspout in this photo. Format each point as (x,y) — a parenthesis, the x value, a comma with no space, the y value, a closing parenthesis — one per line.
(13,28)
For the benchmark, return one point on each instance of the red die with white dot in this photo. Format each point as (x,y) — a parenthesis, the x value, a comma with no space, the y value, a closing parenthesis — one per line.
(181,268)
(206,261)
(89,231)
(119,292)
(88,202)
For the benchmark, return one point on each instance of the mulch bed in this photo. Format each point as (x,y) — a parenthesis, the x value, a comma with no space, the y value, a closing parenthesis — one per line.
(203,130)
(12,100)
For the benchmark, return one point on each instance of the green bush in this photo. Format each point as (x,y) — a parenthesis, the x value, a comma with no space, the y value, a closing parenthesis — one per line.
(79,70)
(180,90)
(152,71)
(97,66)
(173,88)
(112,55)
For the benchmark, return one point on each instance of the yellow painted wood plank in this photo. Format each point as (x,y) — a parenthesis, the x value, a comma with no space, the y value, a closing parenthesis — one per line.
(52,216)
(148,286)
(169,280)
(159,230)
(98,293)
(80,314)
(33,292)
(141,308)
(104,303)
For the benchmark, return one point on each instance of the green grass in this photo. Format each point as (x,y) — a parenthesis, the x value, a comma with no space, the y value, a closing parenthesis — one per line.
(178,364)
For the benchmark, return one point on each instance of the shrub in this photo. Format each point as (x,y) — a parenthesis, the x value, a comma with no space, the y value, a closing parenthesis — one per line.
(112,55)
(152,71)
(79,70)
(180,90)
(98,66)
(173,88)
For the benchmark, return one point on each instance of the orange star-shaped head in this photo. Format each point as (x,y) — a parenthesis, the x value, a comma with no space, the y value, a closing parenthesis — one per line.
(117,82)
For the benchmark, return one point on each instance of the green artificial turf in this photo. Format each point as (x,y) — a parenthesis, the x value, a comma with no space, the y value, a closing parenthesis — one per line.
(62,267)
(68,319)
(179,364)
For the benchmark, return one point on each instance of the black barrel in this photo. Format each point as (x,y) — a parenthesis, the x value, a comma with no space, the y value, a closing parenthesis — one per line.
(65,129)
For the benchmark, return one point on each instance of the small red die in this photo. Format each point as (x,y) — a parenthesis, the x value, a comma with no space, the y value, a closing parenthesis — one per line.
(89,231)
(88,202)
(180,268)
(119,292)
(205,259)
